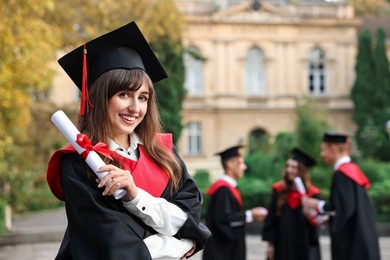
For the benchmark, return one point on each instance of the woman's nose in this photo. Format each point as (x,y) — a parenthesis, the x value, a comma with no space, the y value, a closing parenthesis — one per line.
(133,105)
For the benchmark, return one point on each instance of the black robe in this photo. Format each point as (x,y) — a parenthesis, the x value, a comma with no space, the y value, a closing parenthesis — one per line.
(226,220)
(293,236)
(100,227)
(353,231)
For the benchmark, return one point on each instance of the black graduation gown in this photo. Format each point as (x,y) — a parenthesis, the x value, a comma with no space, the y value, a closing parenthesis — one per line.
(100,227)
(226,221)
(293,236)
(353,231)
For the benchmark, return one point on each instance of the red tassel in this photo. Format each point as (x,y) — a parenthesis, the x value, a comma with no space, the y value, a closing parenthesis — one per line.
(84,102)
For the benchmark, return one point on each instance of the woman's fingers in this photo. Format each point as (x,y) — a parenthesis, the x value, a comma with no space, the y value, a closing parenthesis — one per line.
(115,179)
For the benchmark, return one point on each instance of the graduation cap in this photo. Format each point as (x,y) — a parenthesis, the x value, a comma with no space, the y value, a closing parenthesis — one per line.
(302,157)
(332,137)
(124,48)
(230,152)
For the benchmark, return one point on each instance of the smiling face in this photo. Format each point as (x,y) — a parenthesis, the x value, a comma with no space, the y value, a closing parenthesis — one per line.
(291,169)
(126,110)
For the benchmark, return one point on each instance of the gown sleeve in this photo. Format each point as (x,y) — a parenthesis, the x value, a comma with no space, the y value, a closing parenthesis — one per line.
(190,200)
(343,200)
(270,222)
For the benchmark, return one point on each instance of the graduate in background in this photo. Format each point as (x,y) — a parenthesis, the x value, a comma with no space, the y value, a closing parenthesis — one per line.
(352,222)
(292,234)
(226,217)
(159,216)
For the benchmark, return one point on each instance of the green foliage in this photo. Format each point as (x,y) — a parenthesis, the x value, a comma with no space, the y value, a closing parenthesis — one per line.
(370,96)
(254,192)
(3,205)
(202,179)
(262,166)
(309,128)
(321,177)
(259,142)
(167,42)
(282,146)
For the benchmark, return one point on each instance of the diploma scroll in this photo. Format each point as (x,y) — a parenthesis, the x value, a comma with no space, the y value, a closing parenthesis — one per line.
(299,185)
(69,130)
(315,218)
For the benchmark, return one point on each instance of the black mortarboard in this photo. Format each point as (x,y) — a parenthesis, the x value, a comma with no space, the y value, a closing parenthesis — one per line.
(300,156)
(124,47)
(332,137)
(230,152)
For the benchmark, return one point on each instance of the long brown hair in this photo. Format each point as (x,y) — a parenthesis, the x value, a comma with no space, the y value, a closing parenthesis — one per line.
(95,122)
(289,185)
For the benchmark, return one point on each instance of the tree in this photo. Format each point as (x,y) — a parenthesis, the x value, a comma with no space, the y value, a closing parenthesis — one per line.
(24,70)
(381,107)
(309,127)
(361,95)
(165,35)
(370,96)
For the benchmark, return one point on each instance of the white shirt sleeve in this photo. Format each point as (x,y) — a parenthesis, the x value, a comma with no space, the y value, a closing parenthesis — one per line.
(165,247)
(320,206)
(164,217)
(248,216)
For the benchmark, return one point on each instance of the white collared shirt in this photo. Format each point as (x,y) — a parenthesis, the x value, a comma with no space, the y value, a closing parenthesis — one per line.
(164,217)
(341,161)
(131,152)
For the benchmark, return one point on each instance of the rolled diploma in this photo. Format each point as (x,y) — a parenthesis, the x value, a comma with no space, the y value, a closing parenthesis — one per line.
(69,130)
(302,190)
(299,185)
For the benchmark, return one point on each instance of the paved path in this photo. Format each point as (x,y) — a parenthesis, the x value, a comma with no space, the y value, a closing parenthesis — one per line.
(37,236)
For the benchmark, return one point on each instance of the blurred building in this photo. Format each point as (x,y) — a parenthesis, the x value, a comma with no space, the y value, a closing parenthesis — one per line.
(248,62)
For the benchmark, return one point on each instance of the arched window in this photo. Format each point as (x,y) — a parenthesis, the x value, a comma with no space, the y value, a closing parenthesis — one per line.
(194,138)
(193,63)
(317,72)
(258,141)
(255,72)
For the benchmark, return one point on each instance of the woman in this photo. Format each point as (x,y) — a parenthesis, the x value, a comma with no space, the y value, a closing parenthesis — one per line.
(158,217)
(291,233)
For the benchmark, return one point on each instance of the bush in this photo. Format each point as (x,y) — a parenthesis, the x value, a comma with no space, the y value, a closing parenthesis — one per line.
(3,206)
(202,179)
(263,167)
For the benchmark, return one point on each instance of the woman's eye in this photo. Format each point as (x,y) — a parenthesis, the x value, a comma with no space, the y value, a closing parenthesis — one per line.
(143,98)
(123,94)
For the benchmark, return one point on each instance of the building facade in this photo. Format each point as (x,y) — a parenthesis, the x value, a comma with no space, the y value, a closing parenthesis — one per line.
(249,62)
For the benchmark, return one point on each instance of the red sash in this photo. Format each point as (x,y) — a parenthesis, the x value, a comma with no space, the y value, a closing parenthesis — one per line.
(146,174)
(353,172)
(222,183)
(294,197)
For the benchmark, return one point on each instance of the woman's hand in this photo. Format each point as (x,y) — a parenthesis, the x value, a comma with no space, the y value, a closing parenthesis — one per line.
(189,253)
(117,179)
(270,251)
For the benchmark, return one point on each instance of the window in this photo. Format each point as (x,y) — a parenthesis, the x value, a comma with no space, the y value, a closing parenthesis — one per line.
(194,138)
(258,141)
(317,82)
(193,63)
(255,75)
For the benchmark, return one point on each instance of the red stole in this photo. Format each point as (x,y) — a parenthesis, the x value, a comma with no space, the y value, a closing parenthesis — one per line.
(146,174)
(294,197)
(353,172)
(222,183)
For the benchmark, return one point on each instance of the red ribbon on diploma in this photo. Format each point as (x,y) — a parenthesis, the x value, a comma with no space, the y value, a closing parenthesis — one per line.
(101,148)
